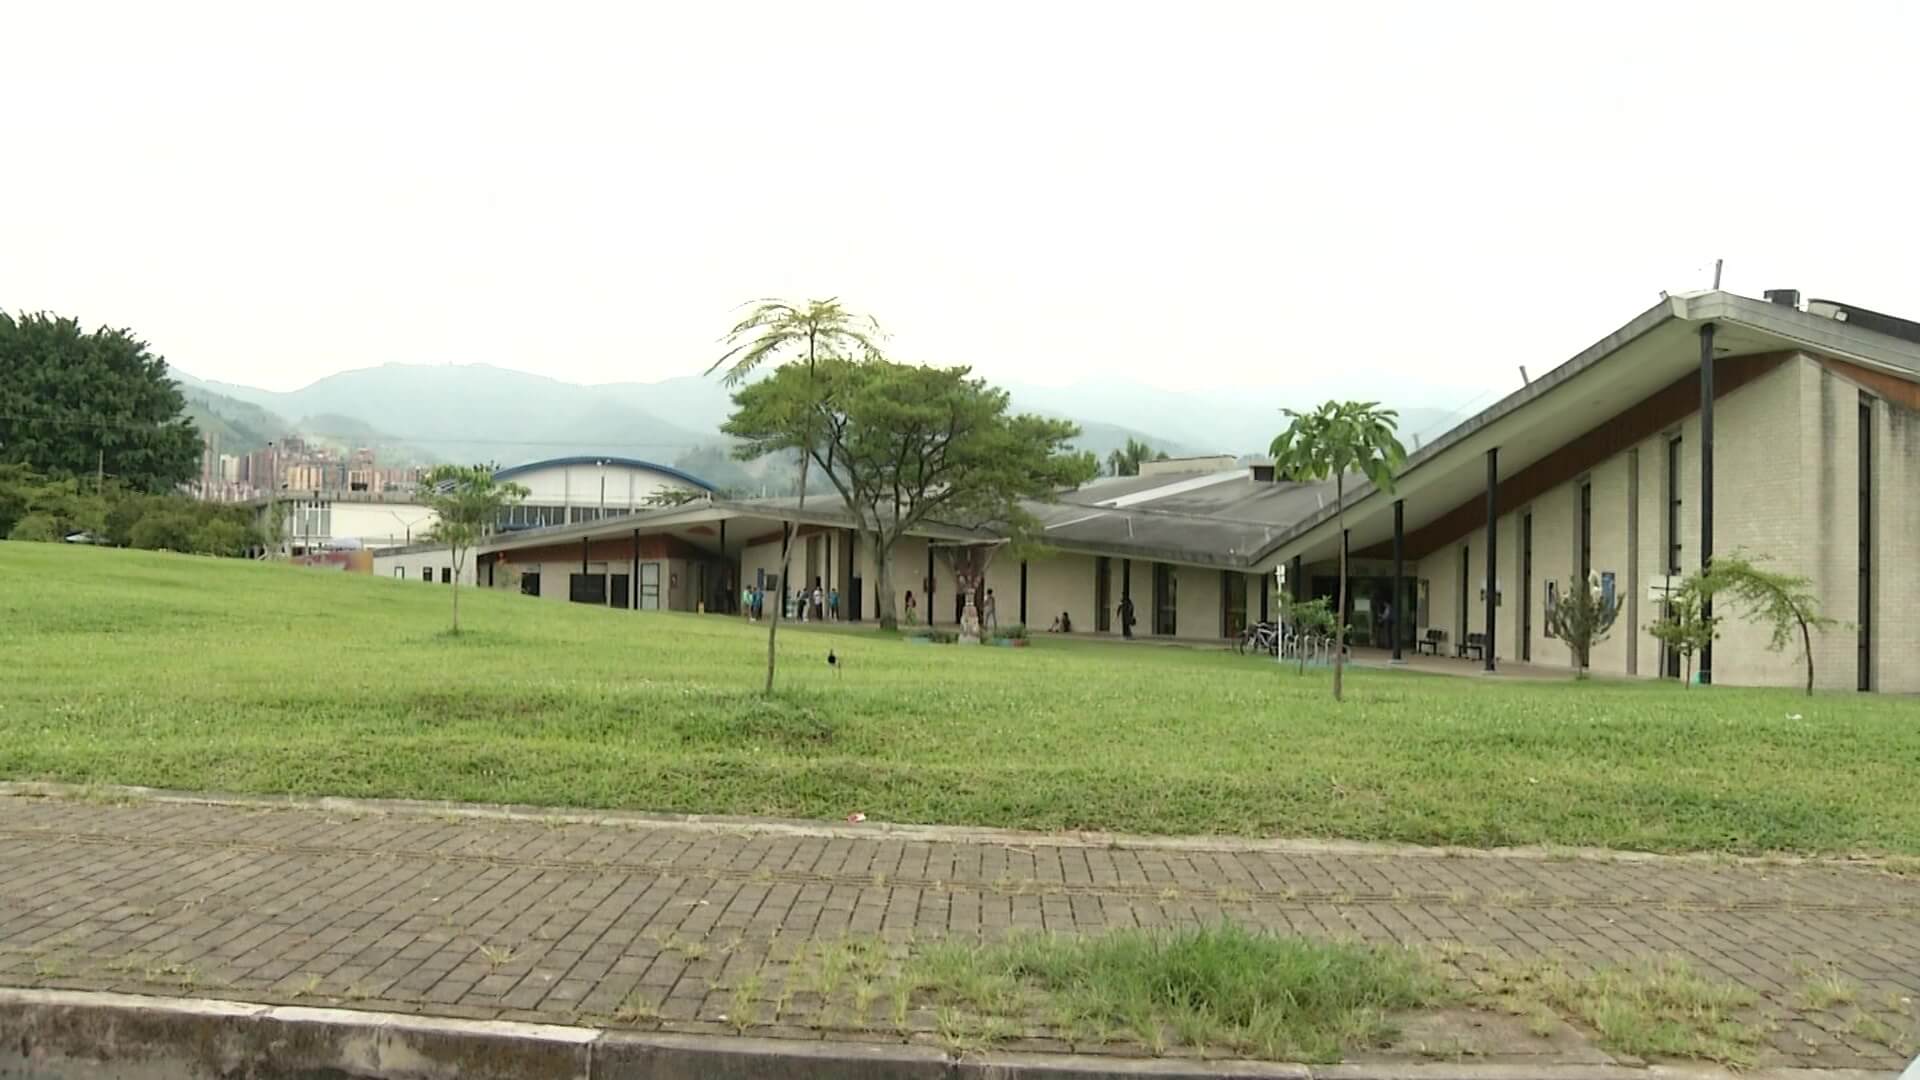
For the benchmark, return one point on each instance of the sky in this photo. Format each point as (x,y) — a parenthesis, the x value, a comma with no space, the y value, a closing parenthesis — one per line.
(1402,201)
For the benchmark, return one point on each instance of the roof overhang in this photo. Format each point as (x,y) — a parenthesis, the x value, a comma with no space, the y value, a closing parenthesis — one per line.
(1652,351)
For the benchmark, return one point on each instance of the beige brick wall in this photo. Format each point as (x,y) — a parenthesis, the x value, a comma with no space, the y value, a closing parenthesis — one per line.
(1896,561)
(1064,582)
(1792,499)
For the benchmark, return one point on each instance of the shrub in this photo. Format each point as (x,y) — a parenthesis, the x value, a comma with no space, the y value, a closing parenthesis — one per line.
(221,536)
(36,527)
(166,530)
(1013,631)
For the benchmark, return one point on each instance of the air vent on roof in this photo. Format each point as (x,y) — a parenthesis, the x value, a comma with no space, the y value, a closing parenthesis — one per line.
(1262,474)
(1784,297)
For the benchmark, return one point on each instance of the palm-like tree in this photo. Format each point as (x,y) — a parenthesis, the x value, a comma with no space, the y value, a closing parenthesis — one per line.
(1338,438)
(1126,460)
(780,332)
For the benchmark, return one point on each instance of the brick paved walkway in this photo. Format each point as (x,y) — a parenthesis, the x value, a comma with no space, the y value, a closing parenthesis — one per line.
(664,924)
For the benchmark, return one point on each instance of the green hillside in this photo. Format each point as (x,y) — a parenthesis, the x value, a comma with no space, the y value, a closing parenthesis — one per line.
(186,672)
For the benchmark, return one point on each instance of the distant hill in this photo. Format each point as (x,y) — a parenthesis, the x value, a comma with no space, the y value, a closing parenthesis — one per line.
(477,412)
(237,427)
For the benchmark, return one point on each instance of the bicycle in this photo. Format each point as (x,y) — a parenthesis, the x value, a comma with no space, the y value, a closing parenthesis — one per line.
(1261,637)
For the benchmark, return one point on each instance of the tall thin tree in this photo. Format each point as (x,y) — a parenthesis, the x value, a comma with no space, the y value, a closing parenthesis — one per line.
(776,331)
(1339,438)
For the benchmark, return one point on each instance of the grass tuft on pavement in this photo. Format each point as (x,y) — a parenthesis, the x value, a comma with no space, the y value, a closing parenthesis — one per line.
(1255,994)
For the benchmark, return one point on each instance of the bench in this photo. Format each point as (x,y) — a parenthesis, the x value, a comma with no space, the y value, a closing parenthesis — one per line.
(1435,642)
(1474,647)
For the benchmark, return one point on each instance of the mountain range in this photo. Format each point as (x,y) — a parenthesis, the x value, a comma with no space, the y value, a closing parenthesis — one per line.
(421,414)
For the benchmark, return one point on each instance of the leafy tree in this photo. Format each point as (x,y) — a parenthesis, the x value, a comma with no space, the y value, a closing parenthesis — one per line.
(224,537)
(1685,627)
(1126,460)
(80,404)
(165,530)
(1783,602)
(37,528)
(905,445)
(785,334)
(468,501)
(1339,438)
(1582,619)
(673,497)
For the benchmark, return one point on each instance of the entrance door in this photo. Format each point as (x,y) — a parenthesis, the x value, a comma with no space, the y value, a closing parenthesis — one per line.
(650,586)
(1526,587)
(622,590)
(853,599)
(1103,594)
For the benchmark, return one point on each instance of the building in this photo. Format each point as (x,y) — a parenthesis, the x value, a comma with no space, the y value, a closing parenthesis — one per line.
(562,490)
(1807,452)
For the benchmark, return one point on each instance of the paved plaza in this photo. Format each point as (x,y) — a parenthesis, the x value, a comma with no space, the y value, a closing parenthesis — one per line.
(703,927)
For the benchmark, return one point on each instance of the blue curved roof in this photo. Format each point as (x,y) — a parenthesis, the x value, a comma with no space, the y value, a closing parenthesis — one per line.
(592,459)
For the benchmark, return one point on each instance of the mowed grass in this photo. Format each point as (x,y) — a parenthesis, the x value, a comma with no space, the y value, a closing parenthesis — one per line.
(184,672)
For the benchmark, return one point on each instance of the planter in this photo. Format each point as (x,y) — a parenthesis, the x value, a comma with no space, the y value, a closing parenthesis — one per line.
(1011,643)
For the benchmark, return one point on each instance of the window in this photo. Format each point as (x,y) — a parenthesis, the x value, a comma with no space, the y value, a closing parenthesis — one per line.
(400,572)
(1166,590)
(426,574)
(650,586)
(1233,603)
(587,588)
(1102,594)
(530,584)
(1586,533)
(1673,505)
(446,575)
(586,513)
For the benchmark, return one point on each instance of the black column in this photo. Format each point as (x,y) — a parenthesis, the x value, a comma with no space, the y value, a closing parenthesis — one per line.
(1399,573)
(633,579)
(1493,542)
(1294,581)
(1023,592)
(728,577)
(1346,572)
(1264,611)
(1126,578)
(583,556)
(1706,486)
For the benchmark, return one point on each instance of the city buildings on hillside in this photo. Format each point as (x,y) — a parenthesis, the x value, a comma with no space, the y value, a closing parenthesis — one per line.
(1706,424)
(293,465)
(562,491)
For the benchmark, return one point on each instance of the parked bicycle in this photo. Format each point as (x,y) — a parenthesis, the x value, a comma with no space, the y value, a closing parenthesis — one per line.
(1259,638)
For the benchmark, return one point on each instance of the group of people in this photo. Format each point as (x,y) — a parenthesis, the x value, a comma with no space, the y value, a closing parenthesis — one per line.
(817,604)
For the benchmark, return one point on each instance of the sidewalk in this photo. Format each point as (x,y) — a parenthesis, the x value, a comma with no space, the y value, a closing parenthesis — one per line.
(682,926)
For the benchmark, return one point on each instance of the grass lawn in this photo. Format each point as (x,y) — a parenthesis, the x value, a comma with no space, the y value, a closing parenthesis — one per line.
(185,672)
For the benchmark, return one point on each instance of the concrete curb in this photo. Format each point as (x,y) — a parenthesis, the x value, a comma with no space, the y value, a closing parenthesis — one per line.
(61,1034)
(879,830)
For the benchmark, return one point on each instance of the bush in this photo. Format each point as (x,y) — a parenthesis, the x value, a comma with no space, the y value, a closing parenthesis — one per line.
(223,537)
(166,530)
(40,528)
(1013,631)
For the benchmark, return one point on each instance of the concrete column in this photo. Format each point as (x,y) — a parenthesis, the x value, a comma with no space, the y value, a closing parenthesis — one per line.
(1706,485)
(1493,542)
(1399,575)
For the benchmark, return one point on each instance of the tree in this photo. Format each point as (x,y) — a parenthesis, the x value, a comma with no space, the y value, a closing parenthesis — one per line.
(1685,627)
(1338,438)
(164,530)
(1784,602)
(1582,619)
(468,501)
(76,404)
(224,537)
(36,527)
(1126,460)
(906,445)
(785,334)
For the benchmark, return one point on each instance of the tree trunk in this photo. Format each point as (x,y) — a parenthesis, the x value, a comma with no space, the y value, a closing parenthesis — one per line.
(883,601)
(787,530)
(1806,642)
(1340,613)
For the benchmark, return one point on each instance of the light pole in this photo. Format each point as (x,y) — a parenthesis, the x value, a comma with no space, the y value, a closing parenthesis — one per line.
(1280,604)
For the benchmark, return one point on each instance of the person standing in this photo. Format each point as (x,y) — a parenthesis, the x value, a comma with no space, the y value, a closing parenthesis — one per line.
(1126,616)
(913,610)
(746,602)
(989,617)
(833,604)
(819,601)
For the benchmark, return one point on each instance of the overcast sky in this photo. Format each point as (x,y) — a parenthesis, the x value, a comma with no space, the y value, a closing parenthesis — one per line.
(1416,197)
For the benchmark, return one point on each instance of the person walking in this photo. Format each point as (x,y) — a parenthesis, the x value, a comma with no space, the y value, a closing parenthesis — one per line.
(1126,616)
(989,617)
(746,602)
(759,601)
(913,610)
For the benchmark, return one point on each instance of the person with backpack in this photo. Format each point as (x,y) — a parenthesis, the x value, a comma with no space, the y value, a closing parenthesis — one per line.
(1126,616)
